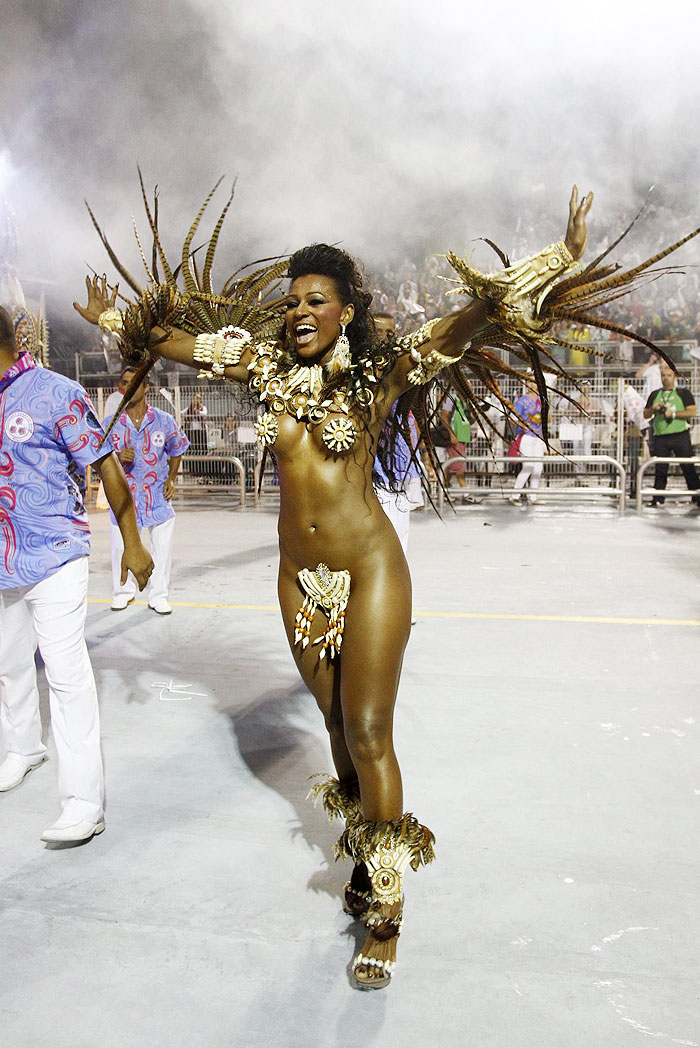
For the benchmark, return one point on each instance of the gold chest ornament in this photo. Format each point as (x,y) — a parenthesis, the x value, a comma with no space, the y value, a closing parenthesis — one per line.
(299,392)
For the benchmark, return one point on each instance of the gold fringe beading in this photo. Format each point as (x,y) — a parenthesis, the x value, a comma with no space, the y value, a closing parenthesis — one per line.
(364,841)
(339,800)
(224,348)
(330,590)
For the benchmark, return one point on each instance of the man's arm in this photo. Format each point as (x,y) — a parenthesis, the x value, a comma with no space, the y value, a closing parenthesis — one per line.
(650,408)
(173,469)
(689,410)
(136,558)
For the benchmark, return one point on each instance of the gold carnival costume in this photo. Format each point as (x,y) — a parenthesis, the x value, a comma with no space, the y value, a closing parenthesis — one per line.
(381,852)
(522,301)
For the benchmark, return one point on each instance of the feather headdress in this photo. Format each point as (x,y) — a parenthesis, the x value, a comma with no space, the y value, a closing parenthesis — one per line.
(183,296)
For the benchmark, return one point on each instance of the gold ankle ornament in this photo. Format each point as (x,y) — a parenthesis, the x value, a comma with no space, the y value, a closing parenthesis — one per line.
(330,590)
(339,800)
(342,800)
(387,849)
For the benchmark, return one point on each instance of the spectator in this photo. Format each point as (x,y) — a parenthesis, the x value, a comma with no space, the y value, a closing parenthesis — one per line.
(529,440)
(670,409)
(195,425)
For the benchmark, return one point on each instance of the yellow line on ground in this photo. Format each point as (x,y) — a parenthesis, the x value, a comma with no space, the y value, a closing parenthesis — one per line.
(499,616)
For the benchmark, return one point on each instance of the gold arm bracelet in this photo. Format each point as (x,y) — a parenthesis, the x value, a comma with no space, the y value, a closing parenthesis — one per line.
(111,320)
(428,366)
(220,350)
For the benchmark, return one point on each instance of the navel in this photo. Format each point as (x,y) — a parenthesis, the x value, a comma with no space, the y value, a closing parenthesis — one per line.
(312,527)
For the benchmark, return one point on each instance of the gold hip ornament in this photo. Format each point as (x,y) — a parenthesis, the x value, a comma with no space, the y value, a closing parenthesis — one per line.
(330,590)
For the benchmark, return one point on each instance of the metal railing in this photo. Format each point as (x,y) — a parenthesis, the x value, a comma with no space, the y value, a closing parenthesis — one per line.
(664,492)
(577,493)
(230,478)
(270,484)
(207,473)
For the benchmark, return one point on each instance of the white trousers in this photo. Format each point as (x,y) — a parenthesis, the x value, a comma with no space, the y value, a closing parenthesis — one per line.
(52,613)
(159,537)
(398,510)
(530,471)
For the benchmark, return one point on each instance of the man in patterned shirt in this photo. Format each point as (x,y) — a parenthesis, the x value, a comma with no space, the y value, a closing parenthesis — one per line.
(670,409)
(150,446)
(48,429)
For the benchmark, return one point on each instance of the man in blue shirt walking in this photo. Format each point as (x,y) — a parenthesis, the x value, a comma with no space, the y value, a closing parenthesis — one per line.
(150,446)
(48,429)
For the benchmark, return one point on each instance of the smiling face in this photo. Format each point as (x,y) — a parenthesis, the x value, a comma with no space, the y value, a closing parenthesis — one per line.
(315,311)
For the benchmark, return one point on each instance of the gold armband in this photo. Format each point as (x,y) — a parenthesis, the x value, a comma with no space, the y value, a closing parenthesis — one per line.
(433,362)
(220,350)
(514,296)
(111,320)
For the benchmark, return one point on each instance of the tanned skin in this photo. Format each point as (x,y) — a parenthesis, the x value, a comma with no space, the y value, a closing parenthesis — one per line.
(329,512)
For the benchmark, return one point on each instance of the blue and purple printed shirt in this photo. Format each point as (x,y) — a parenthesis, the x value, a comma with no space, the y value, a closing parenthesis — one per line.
(529,408)
(47,426)
(158,439)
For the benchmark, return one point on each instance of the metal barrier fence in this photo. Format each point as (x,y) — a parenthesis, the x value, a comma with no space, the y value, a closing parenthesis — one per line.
(664,492)
(596,426)
(223,474)
(552,488)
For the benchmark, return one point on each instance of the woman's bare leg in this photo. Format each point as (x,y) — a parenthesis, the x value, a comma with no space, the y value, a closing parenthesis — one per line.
(321,676)
(378,624)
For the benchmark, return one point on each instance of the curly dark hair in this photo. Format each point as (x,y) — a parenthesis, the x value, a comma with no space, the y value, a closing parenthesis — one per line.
(327,261)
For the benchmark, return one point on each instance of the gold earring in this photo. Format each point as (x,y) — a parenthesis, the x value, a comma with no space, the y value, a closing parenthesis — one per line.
(341,359)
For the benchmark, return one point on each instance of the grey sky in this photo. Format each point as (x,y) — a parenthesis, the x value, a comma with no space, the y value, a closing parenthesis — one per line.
(383,125)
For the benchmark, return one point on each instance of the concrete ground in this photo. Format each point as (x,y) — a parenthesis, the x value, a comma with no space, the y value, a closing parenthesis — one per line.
(547,728)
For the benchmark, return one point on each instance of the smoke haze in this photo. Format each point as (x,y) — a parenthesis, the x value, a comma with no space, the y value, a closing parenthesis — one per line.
(388,127)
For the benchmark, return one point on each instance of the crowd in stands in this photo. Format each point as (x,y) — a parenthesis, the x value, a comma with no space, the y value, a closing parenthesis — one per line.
(668,309)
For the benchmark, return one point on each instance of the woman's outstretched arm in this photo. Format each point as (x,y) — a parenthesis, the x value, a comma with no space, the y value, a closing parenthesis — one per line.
(175,345)
(448,336)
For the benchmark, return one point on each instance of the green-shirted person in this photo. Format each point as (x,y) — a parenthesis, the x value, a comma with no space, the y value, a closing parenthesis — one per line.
(670,409)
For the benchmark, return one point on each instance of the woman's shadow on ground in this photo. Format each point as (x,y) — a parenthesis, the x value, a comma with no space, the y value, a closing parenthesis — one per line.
(281,739)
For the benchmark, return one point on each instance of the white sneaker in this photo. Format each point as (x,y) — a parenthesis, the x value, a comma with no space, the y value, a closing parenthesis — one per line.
(14,768)
(67,831)
(121,602)
(161,607)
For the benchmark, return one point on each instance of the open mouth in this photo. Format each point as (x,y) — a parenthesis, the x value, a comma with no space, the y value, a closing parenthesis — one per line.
(304,333)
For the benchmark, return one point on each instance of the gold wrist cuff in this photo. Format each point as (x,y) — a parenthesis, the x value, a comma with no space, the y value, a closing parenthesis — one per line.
(220,350)
(111,320)
(428,366)
(514,296)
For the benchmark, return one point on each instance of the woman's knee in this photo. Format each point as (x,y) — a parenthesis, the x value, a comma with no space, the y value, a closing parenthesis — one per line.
(368,739)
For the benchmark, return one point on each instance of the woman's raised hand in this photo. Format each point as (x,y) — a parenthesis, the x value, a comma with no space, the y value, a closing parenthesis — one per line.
(99,298)
(576,232)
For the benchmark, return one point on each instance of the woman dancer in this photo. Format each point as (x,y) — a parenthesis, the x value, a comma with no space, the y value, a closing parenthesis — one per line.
(328,385)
